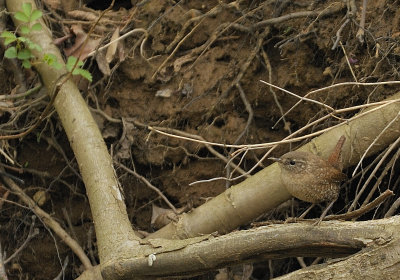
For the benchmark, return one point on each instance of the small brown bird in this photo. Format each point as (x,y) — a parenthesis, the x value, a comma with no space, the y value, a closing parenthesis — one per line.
(311,178)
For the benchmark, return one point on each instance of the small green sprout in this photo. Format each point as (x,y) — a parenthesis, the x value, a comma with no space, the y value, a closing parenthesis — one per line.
(23,47)
(77,70)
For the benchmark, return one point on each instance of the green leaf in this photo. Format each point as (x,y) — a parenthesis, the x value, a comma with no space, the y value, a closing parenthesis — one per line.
(31,45)
(8,34)
(77,70)
(71,62)
(24,54)
(27,9)
(23,39)
(9,37)
(21,17)
(36,27)
(25,30)
(26,63)
(9,41)
(11,52)
(34,46)
(51,60)
(36,14)
(57,65)
(86,74)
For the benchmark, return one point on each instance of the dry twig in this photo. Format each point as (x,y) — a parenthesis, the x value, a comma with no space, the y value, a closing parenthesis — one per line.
(148,184)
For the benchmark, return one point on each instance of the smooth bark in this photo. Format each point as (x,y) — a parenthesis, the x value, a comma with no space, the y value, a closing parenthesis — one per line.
(264,191)
(330,240)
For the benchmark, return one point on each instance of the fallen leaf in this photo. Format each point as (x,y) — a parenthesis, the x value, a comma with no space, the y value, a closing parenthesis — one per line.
(78,49)
(103,64)
(113,47)
(80,37)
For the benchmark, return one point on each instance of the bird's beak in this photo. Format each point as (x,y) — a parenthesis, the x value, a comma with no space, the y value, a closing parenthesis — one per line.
(275,159)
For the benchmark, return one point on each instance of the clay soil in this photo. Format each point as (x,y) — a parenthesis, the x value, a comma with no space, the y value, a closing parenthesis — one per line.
(198,72)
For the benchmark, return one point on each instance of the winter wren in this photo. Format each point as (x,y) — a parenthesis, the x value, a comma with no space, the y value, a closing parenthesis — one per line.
(311,178)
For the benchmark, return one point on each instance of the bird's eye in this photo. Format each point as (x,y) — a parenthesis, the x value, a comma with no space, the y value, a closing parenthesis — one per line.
(292,162)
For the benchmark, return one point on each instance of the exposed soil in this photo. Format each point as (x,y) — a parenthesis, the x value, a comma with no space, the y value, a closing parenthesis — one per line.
(195,91)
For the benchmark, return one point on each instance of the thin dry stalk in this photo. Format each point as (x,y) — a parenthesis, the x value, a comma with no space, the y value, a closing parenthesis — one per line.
(372,175)
(148,184)
(374,142)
